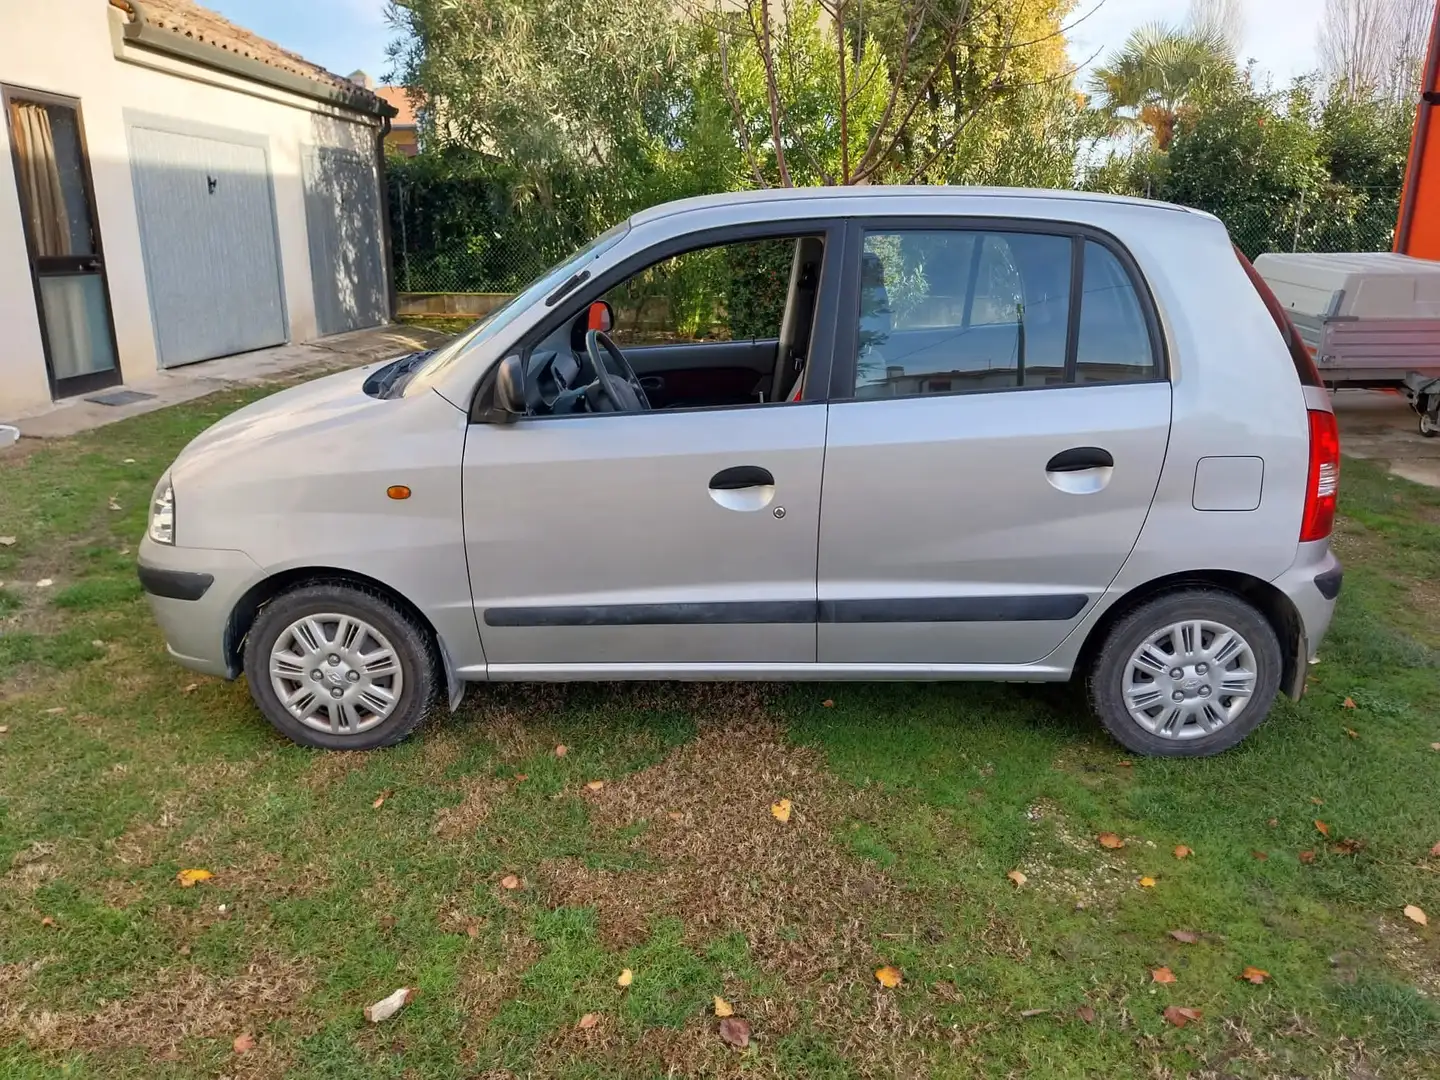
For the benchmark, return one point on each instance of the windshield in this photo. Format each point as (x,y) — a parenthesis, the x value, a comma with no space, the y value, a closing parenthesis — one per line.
(426,374)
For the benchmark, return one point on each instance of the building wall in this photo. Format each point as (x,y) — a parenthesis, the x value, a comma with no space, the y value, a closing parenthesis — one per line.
(67,47)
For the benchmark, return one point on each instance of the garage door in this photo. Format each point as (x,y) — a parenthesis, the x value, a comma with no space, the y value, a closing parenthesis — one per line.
(207,231)
(342,216)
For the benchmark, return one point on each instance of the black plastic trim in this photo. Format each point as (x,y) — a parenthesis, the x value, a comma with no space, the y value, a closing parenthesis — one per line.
(1329,583)
(1061,607)
(733,612)
(1048,608)
(174,584)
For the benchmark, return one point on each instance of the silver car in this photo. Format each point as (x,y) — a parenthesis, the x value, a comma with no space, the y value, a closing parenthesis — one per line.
(870,433)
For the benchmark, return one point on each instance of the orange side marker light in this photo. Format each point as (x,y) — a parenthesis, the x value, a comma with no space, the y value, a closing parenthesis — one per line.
(398,491)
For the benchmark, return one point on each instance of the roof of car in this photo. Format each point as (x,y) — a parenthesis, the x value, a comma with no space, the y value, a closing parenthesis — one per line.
(866,191)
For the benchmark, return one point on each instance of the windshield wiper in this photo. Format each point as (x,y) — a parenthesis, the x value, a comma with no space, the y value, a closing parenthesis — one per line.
(565,286)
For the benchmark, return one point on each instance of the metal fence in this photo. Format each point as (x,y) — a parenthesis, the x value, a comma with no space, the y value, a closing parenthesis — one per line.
(501,260)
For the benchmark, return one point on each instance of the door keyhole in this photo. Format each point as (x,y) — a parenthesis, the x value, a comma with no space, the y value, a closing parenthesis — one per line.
(210,183)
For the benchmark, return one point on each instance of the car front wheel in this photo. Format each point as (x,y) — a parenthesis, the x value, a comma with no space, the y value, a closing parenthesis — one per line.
(341,666)
(1187,674)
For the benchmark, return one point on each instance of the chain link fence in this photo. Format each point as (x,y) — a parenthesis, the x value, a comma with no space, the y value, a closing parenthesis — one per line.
(502,257)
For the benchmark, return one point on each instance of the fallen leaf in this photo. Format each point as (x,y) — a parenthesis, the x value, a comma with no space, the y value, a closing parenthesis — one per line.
(1433,851)
(1324,829)
(595,785)
(1017,877)
(735,1031)
(1307,857)
(244,1043)
(1254,975)
(56,711)
(1180,1016)
(47,921)
(1260,855)
(7,541)
(723,1008)
(114,503)
(98,643)
(625,978)
(1317,800)
(1123,765)
(1086,1013)
(44,583)
(521,777)
(1273,822)
(889,977)
(1110,840)
(380,799)
(1147,882)
(190,688)
(190,878)
(4,728)
(1183,852)
(1415,915)
(1348,703)
(473,930)
(1435,746)
(1189,937)
(781,810)
(510,881)
(561,750)
(1348,846)
(1162,975)
(675,815)
(1026,1014)
(828,703)
(129,461)
(389,1006)
(1352,733)
(588,1021)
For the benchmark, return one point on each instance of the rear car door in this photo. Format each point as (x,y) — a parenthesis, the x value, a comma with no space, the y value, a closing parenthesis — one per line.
(672,541)
(1001,419)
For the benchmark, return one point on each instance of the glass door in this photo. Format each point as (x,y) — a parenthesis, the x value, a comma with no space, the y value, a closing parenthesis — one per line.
(67,261)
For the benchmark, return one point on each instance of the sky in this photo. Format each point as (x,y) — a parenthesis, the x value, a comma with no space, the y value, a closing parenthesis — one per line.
(344,35)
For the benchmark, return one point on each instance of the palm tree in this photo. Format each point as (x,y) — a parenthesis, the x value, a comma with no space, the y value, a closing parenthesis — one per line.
(1158,71)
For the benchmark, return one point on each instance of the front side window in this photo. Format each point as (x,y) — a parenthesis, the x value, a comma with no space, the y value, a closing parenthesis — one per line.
(946,311)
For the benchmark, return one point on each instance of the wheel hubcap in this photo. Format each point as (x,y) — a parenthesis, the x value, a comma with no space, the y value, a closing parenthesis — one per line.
(1189,680)
(336,673)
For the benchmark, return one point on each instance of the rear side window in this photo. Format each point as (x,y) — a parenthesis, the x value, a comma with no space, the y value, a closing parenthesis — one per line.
(1304,365)
(946,311)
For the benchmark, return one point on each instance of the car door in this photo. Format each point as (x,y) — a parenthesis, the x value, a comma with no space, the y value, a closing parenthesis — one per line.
(670,541)
(1004,421)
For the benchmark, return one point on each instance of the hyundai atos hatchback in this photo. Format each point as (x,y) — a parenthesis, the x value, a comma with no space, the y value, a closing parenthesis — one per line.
(864,433)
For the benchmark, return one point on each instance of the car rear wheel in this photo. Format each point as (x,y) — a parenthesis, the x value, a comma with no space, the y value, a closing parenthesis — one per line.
(1187,674)
(340,666)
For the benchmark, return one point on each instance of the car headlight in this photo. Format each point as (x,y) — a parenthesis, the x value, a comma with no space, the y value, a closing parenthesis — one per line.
(162,513)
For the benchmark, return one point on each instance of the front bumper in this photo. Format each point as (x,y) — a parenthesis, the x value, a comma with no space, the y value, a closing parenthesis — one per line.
(193,592)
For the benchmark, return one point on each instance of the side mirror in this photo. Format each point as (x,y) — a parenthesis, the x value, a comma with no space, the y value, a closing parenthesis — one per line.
(601,316)
(507,395)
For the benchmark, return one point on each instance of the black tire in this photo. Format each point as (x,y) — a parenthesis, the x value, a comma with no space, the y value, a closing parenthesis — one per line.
(1106,681)
(420,665)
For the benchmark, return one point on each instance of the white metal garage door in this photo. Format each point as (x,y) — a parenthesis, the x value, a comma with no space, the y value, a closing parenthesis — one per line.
(342,219)
(207,230)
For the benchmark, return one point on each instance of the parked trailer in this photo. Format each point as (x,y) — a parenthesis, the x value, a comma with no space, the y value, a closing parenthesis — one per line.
(1371,321)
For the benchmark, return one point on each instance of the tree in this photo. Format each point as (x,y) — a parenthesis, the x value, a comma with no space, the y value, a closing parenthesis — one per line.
(1157,72)
(1223,18)
(1375,45)
(845,92)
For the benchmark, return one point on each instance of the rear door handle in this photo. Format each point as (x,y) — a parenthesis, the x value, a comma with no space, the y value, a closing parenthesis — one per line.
(1080,458)
(741,476)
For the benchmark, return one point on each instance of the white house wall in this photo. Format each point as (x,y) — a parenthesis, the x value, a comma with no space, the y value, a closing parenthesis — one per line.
(68,47)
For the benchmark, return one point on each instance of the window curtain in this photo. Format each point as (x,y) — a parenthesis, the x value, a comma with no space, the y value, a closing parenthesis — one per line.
(40,180)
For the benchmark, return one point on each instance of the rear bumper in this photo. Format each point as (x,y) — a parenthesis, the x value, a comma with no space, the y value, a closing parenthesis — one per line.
(192,592)
(1313,586)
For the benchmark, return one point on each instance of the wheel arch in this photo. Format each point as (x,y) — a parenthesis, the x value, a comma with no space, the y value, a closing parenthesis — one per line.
(242,615)
(1277,608)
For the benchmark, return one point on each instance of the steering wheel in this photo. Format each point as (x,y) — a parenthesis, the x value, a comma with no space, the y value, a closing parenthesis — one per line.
(624,394)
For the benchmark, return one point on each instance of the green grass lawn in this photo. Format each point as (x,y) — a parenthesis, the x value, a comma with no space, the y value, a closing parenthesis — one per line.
(910,805)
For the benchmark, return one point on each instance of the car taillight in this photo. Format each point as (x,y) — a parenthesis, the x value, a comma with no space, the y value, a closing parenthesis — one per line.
(1323,485)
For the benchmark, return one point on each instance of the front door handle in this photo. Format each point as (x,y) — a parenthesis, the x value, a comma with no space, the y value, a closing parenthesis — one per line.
(1080,458)
(740,477)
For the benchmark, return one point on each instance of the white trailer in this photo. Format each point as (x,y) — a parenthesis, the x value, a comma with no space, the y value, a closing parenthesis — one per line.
(1371,320)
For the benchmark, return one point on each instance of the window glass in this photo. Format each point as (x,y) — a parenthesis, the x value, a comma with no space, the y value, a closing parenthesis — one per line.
(1114,339)
(734,292)
(951,310)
